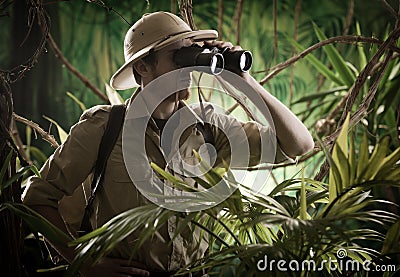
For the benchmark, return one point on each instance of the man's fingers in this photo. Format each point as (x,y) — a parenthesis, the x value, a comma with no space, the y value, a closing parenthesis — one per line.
(219,44)
(223,44)
(236,48)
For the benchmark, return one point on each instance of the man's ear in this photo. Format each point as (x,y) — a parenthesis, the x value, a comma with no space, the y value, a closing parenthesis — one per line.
(142,68)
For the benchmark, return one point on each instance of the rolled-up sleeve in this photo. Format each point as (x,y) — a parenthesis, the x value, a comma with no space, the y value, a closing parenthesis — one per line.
(71,163)
(257,142)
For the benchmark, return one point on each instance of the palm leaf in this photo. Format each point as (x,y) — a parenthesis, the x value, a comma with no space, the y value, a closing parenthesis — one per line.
(336,59)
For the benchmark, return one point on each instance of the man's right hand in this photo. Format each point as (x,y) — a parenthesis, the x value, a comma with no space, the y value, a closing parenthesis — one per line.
(112,267)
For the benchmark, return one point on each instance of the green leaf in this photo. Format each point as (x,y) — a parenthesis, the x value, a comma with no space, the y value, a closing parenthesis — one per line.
(318,95)
(93,234)
(28,136)
(392,240)
(113,95)
(340,156)
(37,223)
(61,133)
(323,69)
(18,175)
(4,167)
(309,109)
(334,174)
(387,164)
(376,158)
(352,161)
(212,176)
(38,154)
(393,175)
(361,53)
(336,59)
(178,183)
(77,101)
(363,155)
(342,139)
(53,269)
(342,163)
(303,200)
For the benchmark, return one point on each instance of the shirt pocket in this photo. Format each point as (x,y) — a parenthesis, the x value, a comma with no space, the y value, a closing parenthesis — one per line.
(120,191)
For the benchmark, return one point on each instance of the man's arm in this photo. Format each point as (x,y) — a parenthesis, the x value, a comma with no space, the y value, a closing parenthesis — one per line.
(107,267)
(66,169)
(293,137)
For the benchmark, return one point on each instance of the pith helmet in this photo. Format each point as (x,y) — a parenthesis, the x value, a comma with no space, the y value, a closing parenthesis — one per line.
(153,31)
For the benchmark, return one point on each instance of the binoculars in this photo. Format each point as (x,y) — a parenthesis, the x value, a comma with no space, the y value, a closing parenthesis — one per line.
(214,60)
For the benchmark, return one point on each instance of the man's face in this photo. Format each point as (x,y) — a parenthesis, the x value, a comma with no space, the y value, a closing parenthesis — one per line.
(165,64)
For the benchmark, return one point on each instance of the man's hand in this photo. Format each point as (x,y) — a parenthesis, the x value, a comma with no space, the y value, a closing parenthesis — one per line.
(292,135)
(111,267)
(222,44)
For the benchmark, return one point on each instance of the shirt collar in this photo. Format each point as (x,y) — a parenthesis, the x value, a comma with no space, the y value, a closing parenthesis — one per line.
(142,111)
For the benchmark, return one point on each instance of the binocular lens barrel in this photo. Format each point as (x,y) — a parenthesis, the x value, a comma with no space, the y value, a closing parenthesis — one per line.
(198,56)
(215,60)
(238,60)
(246,60)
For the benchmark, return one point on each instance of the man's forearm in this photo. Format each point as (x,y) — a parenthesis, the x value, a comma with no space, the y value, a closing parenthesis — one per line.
(293,136)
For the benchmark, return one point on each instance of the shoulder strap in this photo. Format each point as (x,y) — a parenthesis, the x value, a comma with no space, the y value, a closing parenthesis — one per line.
(107,143)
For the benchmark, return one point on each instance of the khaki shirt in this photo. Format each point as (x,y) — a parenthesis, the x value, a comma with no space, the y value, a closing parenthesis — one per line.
(74,161)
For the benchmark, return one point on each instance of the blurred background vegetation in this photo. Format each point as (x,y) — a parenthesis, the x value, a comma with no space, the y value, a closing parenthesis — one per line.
(90,37)
(358,69)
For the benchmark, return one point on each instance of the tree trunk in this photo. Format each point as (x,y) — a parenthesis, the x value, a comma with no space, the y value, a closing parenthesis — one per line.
(11,236)
(37,93)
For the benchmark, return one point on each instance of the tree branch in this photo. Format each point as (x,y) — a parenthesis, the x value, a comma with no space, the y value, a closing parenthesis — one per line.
(390,9)
(220,17)
(236,19)
(74,71)
(45,135)
(366,72)
(342,39)
(186,10)
(37,12)
(349,17)
(296,25)
(355,90)
(275,17)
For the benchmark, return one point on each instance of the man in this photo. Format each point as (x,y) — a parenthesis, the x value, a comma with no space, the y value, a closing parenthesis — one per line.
(149,49)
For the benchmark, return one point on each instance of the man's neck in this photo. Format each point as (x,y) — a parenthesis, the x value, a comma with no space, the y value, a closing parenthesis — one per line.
(165,109)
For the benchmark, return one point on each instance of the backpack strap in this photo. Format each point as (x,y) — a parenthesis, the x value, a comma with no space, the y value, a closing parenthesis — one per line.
(110,136)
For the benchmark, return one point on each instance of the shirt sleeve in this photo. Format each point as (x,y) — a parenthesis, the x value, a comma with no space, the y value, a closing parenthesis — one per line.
(71,162)
(252,143)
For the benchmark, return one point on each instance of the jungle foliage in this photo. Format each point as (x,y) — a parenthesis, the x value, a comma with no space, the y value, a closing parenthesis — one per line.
(334,63)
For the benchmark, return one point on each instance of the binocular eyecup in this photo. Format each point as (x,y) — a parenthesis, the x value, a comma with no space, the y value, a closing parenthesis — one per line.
(213,60)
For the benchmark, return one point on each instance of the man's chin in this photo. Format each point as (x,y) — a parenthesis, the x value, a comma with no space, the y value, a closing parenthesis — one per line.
(183,94)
